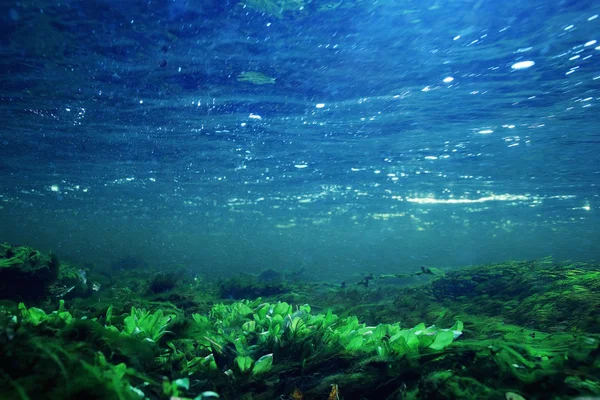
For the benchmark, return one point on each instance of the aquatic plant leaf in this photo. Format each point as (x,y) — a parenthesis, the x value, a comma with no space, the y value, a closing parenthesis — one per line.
(200,319)
(112,329)
(297,325)
(393,329)
(355,343)
(183,383)
(305,308)
(457,327)
(277,319)
(207,395)
(262,312)
(379,332)
(65,316)
(148,326)
(249,326)
(130,325)
(108,319)
(282,308)
(263,364)
(244,310)
(120,370)
(399,345)
(426,340)
(366,330)
(330,318)
(349,324)
(442,340)
(202,363)
(404,341)
(36,315)
(274,330)
(244,363)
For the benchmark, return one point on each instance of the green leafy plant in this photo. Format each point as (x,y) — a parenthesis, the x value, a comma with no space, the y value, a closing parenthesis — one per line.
(175,388)
(116,377)
(254,329)
(36,316)
(144,324)
(263,364)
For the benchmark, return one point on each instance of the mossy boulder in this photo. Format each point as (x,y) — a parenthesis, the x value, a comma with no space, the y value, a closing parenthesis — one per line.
(71,282)
(26,273)
(536,294)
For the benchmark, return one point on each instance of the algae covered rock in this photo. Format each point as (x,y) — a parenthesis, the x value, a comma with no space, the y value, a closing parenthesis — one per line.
(71,282)
(25,273)
(537,294)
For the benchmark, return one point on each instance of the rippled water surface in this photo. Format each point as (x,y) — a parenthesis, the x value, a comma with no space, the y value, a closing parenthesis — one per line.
(344,136)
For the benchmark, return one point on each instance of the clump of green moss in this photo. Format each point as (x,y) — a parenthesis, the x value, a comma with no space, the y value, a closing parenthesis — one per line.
(538,294)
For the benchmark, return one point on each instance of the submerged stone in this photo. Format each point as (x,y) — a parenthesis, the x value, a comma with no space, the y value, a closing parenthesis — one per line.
(25,273)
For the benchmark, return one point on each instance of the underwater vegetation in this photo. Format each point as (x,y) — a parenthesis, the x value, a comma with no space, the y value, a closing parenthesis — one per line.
(505,331)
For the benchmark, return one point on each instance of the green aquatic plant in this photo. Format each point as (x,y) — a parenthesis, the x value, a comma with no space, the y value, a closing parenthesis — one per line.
(259,334)
(389,339)
(36,316)
(538,294)
(143,324)
(56,356)
(115,381)
(176,387)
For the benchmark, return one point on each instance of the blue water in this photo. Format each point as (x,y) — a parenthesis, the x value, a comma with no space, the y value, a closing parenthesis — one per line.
(396,133)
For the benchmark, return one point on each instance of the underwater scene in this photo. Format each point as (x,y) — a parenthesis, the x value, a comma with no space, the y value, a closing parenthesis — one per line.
(299,199)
